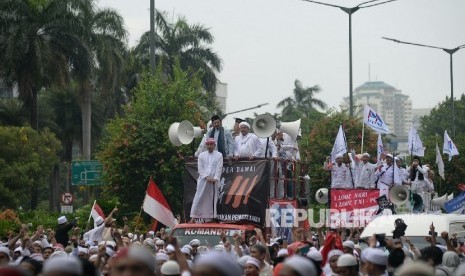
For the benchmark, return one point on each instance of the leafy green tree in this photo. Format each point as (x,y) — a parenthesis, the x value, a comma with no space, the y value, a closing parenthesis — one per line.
(36,39)
(317,145)
(187,43)
(100,61)
(440,116)
(60,112)
(136,146)
(12,112)
(302,104)
(26,160)
(432,132)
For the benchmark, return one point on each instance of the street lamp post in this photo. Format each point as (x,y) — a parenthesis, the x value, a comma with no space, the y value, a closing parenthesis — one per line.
(451,52)
(152,37)
(351,11)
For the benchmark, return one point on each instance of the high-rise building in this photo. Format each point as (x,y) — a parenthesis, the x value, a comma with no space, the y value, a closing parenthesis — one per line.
(393,106)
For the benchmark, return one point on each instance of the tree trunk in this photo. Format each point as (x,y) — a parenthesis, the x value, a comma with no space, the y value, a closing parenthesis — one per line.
(54,184)
(86,108)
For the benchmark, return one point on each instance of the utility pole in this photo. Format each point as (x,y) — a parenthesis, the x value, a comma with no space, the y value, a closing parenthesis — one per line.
(152,37)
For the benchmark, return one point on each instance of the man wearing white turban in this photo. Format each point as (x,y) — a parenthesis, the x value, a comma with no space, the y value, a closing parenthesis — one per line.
(340,173)
(247,144)
(210,167)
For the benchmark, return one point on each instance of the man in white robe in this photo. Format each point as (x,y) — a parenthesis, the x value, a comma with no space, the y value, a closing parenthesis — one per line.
(364,171)
(247,145)
(388,176)
(340,173)
(210,167)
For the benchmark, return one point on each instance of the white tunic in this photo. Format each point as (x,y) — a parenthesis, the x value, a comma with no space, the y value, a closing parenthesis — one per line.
(388,177)
(288,148)
(95,234)
(420,186)
(248,146)
(272,152)
(340,176)
(204,204)
(365,175)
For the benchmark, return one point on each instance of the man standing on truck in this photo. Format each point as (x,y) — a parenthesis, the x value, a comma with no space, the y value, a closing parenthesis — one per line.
(223,138)
(210,167)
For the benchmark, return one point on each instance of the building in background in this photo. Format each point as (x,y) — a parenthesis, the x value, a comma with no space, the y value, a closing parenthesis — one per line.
(221,95)
(417,113)
(393,106)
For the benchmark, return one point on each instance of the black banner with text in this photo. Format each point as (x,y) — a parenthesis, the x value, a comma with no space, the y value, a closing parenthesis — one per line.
(243,190)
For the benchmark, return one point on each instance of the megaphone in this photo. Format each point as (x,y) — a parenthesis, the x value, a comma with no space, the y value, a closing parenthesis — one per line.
(183,133)
(291,128)
(399,195)
(321,196)
(264,125)
(440,201)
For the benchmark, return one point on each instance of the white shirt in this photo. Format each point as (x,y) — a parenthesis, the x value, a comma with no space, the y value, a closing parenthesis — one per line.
(365,175)
(288,148)
(248,145)
(272,152)
(386,177)
(340,176)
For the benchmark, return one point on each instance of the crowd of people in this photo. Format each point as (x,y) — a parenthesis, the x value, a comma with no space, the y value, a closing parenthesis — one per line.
(107,250)
(357,172)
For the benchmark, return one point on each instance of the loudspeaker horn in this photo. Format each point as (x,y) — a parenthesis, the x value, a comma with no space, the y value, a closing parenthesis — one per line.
(399,195)
(321,196)
(440,201)
(264,125)
(183,133)
(290,128)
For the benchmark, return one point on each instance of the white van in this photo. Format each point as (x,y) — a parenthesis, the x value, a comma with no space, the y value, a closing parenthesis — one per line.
(417,226)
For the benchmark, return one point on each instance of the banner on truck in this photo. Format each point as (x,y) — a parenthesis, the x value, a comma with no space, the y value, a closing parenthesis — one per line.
(243,191)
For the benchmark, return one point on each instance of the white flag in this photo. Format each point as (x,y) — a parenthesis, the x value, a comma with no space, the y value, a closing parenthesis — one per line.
(339,147)
(449,147)
(380,147)
(373,120)
(439,162)
(415,146)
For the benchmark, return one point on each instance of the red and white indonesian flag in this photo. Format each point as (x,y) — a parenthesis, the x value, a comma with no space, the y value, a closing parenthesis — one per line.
(373,120)
(97,211)
(157,207)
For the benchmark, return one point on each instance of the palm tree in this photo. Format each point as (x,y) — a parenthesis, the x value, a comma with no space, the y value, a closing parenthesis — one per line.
(183,43)
(12,112)
(99,64)
(303,102)
(34,40)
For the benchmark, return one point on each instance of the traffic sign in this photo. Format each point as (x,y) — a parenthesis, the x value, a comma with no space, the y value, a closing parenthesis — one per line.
(86,172)
(66,209)
(67,198)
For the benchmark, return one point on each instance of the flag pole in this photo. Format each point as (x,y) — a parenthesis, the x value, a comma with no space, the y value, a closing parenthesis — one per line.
(142,206)
(350,165)
(90,215)
(363,136)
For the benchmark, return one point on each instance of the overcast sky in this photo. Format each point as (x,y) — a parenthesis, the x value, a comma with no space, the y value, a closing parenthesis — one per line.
(266,44)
